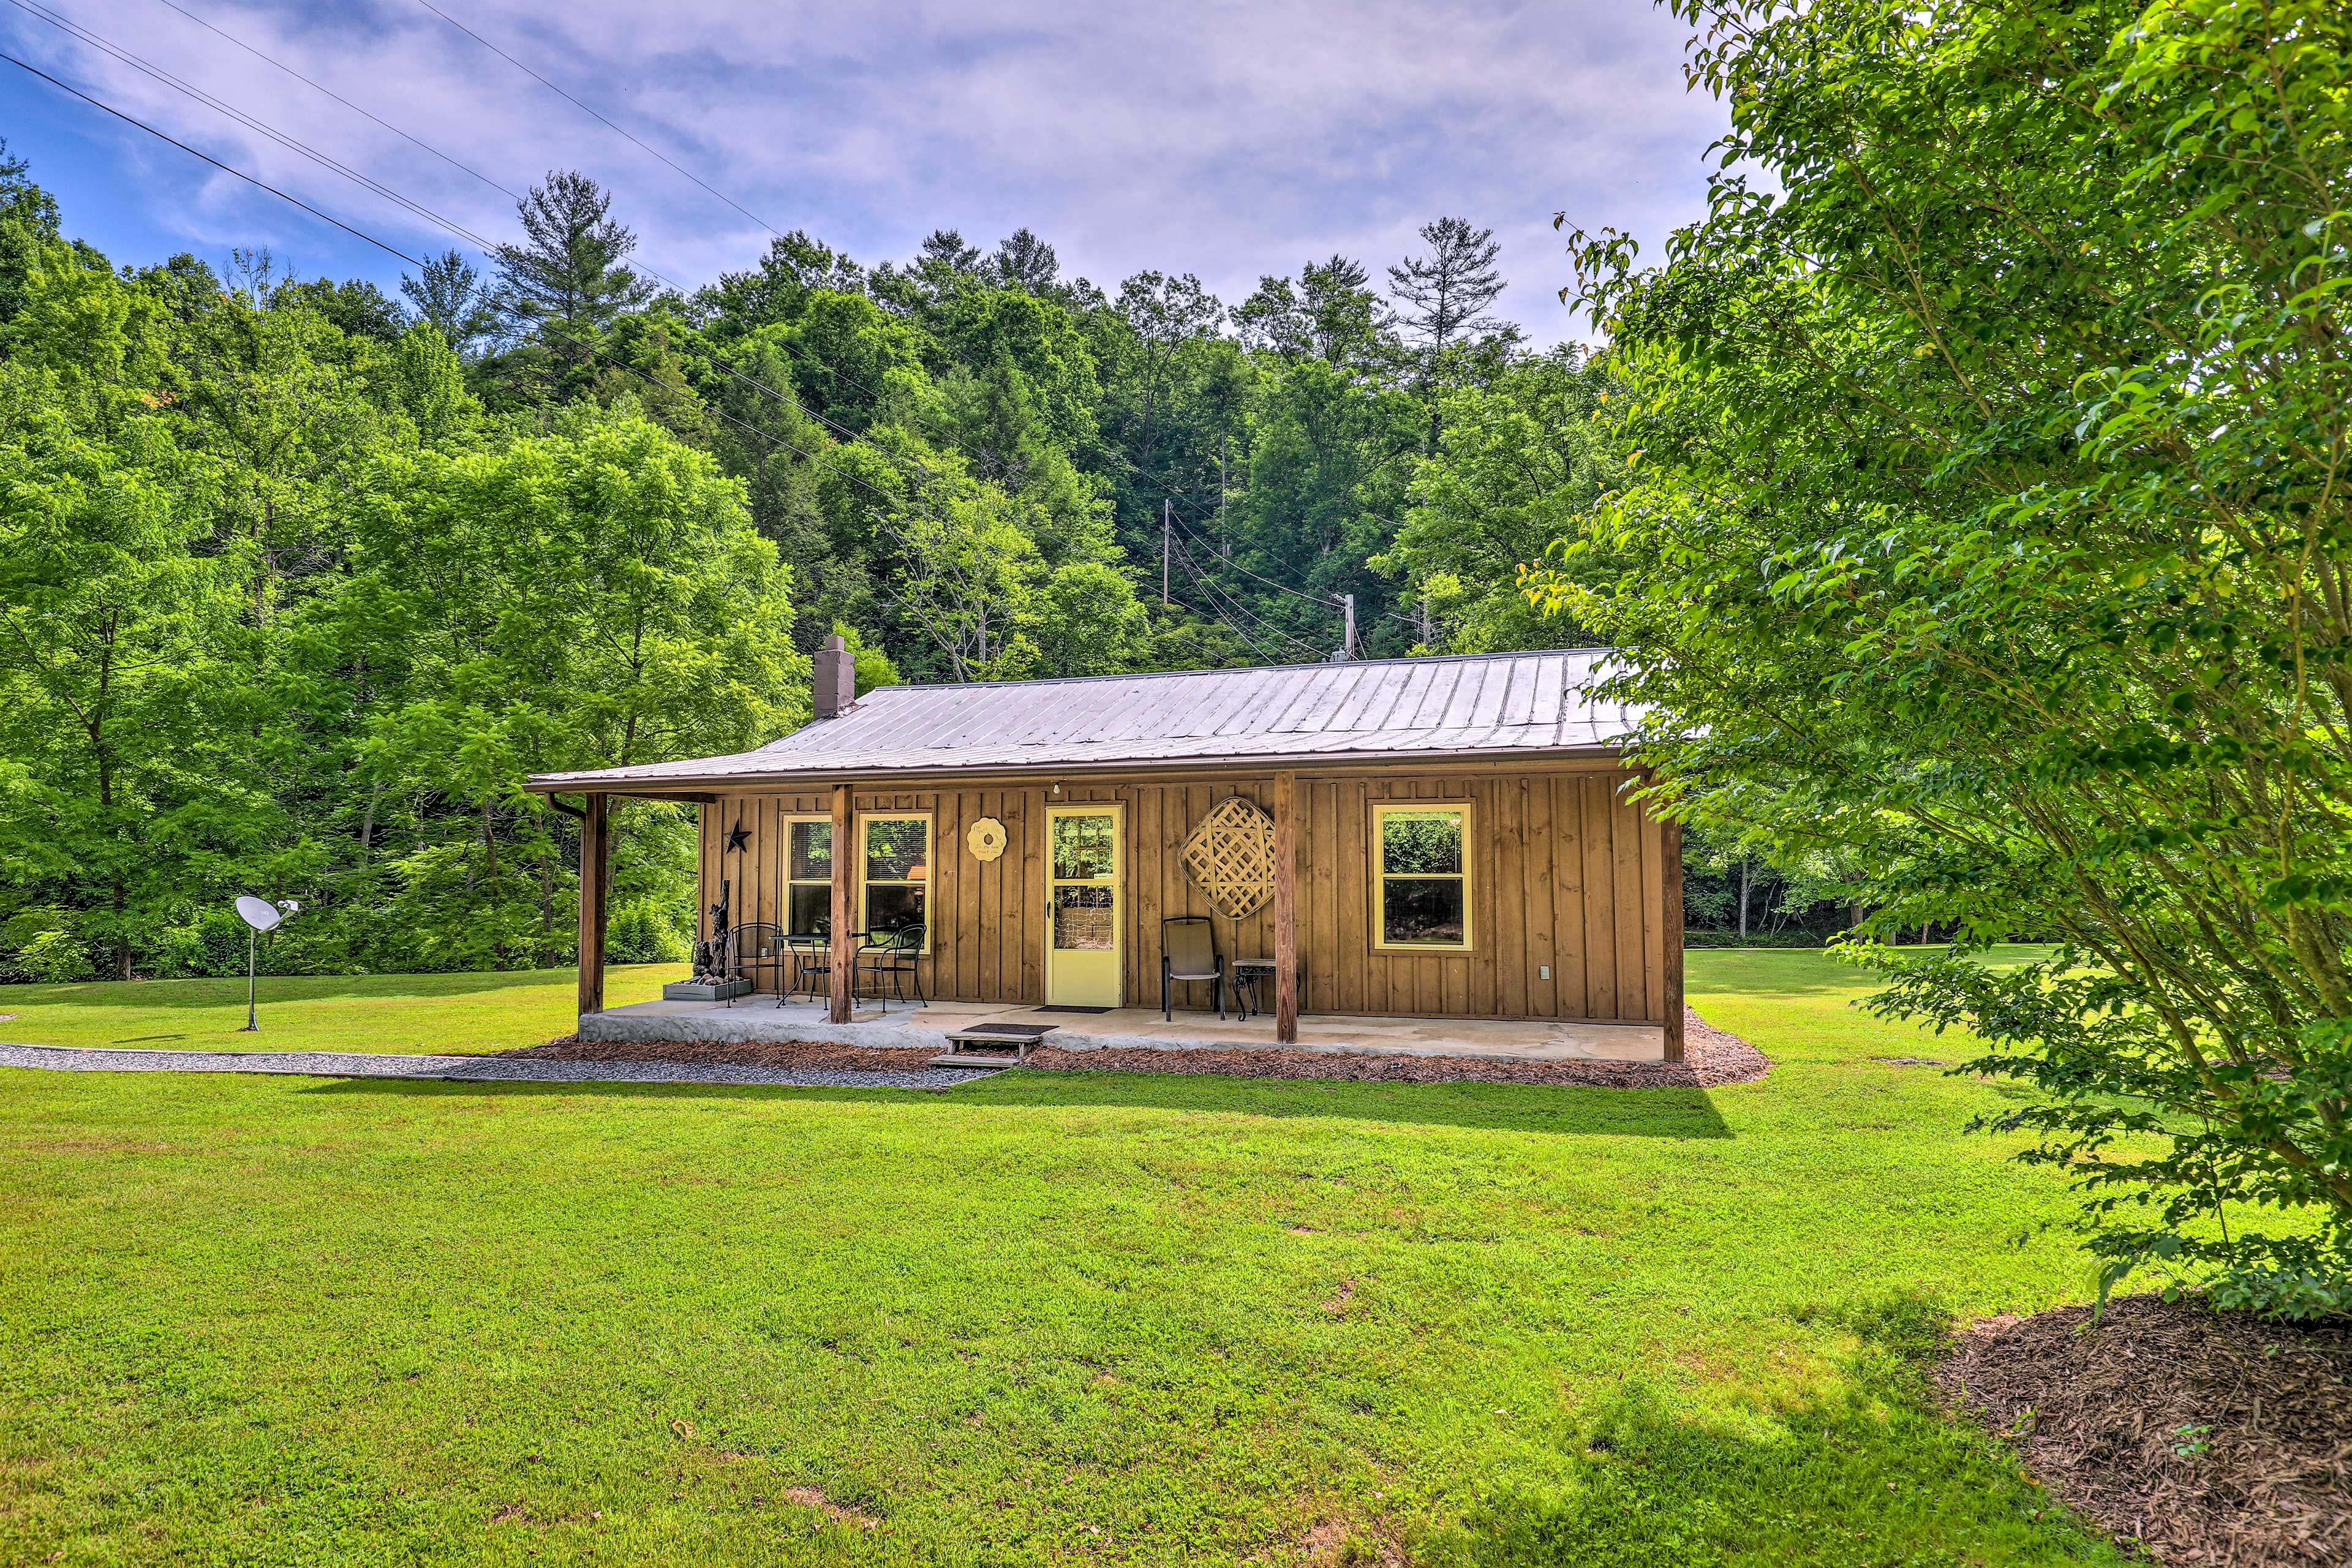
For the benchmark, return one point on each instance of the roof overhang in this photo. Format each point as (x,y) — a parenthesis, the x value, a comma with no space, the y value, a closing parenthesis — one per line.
(706,787)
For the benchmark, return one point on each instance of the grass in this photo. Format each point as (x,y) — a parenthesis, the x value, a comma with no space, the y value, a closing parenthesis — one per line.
(379,1013)
(1070,1317)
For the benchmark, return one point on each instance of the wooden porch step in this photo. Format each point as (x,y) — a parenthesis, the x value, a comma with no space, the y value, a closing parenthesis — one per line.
(984,1044)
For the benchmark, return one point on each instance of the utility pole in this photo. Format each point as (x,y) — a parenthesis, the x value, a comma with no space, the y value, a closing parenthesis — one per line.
(1167,526)
(1424,616)
(1348,640)
(1224,541)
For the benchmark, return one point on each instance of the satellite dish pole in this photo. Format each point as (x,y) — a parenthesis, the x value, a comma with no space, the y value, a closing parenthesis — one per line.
(260,915)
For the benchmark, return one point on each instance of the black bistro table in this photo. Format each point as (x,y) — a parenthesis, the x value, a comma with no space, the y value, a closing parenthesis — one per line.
(812,956)
(1249,972)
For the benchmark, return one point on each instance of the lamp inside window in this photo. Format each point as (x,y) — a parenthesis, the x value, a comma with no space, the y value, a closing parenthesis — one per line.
(896,873)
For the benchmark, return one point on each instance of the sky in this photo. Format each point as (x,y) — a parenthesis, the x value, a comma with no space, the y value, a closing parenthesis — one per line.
(1224,140)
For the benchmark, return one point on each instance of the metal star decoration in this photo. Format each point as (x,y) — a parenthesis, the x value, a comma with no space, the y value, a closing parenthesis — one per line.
(738,836)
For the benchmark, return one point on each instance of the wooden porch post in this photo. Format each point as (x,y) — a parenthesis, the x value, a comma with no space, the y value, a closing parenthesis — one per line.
(1671,917)
(595,850)
(845,857)
(1286,909)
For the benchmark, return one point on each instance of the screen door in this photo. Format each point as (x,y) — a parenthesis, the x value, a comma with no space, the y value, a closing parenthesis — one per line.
(1083,945)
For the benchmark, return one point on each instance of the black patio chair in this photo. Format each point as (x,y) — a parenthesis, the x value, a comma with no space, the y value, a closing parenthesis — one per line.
(1188,955)
(896,954)
(754,949)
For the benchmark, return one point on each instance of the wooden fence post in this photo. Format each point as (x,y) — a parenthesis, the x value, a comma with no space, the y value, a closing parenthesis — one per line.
(845,860)
(595,848)
(1286,909)
(1671,918)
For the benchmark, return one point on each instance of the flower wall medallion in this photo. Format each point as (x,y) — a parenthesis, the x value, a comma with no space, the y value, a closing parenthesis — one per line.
(986,840)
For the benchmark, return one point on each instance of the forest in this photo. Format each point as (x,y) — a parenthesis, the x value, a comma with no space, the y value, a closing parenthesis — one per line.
(302,578)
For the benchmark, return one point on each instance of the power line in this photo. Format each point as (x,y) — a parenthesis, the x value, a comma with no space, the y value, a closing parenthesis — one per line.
(428,214)
(1323,601)
(1220,620)
(338,98)
(216,162)
(584,108)
(1218,597)
(1328,601)
(380,244)
(987,460)
(1227,611)
(290,143)
(1232,607)
(1235,619)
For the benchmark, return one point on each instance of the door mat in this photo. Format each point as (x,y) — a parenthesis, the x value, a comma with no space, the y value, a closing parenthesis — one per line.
(1059,1008)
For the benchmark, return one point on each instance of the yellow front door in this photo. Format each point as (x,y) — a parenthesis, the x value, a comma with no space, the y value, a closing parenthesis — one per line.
(1084,860)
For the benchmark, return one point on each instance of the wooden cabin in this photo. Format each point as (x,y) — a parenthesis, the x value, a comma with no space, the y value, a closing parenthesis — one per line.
(1444,837)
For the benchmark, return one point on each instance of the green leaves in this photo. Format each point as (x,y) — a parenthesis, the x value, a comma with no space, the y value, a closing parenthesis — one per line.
(281,611)
(1992,527)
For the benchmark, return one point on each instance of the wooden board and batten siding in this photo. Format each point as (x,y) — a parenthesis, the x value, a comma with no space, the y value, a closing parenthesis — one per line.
(1566,875)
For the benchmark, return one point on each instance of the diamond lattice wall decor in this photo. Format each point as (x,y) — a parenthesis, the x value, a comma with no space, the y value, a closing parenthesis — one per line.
(1231,856)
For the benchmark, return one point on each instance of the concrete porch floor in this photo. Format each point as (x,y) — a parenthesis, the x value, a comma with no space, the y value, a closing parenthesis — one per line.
(754,1020)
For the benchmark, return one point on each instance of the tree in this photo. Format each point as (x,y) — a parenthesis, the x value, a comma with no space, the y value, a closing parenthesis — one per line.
(28,232)
(794,267)
(127,775)
(1329,313)
(1443,294)
(357,307)
(1519,464)
(1990,526)
(967,572)
(1023,261)
(1087,621)
(450,298)
(570,272)
(945,268)
(591,597)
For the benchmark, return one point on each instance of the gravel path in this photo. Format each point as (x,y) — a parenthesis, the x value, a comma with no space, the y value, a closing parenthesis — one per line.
(472,1070)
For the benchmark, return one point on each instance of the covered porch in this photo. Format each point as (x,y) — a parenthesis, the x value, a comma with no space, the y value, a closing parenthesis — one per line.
(1440,858)
(759,1020)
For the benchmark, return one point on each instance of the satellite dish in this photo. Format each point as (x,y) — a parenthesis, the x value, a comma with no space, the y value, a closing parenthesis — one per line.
(259,913)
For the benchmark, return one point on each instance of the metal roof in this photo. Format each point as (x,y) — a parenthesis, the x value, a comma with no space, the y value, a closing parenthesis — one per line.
(1465,706)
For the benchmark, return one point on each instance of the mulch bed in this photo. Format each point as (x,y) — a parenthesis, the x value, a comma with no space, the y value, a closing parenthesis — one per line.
(2108,1419)
(1712,1058)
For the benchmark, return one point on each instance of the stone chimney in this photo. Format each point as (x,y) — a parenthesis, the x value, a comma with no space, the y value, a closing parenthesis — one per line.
(836,679)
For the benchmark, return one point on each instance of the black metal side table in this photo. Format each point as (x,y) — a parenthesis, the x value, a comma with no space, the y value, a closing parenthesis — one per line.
(1249,972)
(812,956)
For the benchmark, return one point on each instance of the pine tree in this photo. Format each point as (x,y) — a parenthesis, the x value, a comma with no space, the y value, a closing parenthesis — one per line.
(571,271)
(1443,294)
(1025,262)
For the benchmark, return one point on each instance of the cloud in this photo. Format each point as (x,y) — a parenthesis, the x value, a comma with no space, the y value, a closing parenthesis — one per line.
(1226,140)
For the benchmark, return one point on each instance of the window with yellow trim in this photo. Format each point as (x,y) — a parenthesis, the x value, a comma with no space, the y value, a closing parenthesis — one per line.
(808,876)
(1421,876)
(895,872)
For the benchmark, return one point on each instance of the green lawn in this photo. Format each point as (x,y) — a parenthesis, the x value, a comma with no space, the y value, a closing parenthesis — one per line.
(1046,1318)
(464,1013)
